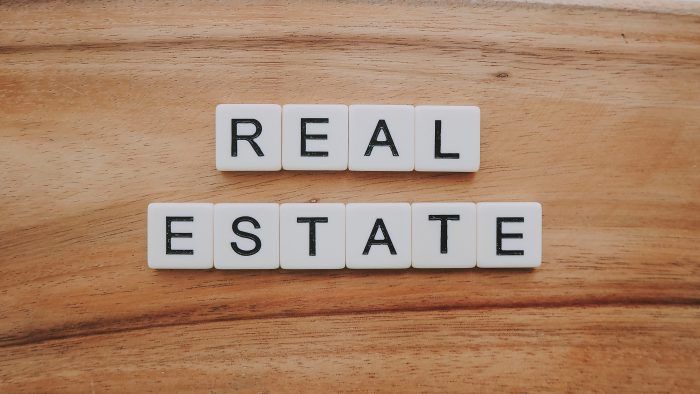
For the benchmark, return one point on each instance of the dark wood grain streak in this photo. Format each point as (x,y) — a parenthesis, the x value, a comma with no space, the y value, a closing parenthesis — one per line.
(222,313)
(587,348)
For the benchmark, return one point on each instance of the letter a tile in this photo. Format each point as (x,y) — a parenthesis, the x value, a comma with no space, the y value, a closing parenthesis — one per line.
(381,138)
(378,235)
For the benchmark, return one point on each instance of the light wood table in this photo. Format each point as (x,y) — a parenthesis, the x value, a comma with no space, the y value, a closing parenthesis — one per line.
(594,112)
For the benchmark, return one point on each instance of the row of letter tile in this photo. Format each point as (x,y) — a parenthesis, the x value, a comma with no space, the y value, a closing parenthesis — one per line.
(336,235)
(268,137)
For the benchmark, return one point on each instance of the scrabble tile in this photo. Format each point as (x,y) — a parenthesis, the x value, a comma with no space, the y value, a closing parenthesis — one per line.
(381,138)
(447,138)
(444,235)
(509,234)
(180,235)
(378,235)
(314,137)
(312,236)
(246,236)
(248,137)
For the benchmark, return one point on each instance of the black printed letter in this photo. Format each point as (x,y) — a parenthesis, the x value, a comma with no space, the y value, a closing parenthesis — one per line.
(443,229)
(381,126)
(305,137)
(246,235)
(235,137)
(169,234)
(312,231)
(386,240)
(438,143)
(500,236)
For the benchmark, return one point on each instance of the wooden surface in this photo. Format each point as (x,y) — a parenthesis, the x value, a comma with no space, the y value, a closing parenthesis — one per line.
(105,107)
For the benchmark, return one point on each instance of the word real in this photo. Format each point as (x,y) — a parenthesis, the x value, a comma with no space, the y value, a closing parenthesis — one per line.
(267,137)
(334,236)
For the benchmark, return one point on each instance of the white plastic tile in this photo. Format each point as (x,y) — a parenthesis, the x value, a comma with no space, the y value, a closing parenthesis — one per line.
(509,234)
(314,137)
(447,138)
(444,235)
(180,235)
(246,236)
(312,236)
(381,138)
(378,235)
(248,137)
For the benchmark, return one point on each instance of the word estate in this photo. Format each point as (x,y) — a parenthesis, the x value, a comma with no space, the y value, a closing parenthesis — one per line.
(334,236)
(267,137)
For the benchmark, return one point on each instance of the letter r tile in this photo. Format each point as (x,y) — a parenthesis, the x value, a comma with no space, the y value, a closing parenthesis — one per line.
(248,137)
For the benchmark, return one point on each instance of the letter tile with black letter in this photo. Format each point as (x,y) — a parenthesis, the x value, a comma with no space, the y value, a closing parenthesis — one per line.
(509,234)
(246,236)
(248,137)
(381,138)
(447,138)
(312,236)
(180,235)
(315,137)
(378,235)
(444,235)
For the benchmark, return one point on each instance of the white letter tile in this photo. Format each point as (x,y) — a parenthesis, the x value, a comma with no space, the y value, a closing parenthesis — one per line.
(312,236)
(381,138)
(315,137)
(180,235)
(258,146)
(378,235)
(246,236)
(518,226)
(444,235)
(447,138)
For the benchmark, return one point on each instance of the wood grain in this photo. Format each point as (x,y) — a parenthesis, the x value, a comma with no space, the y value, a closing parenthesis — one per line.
(595,112)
